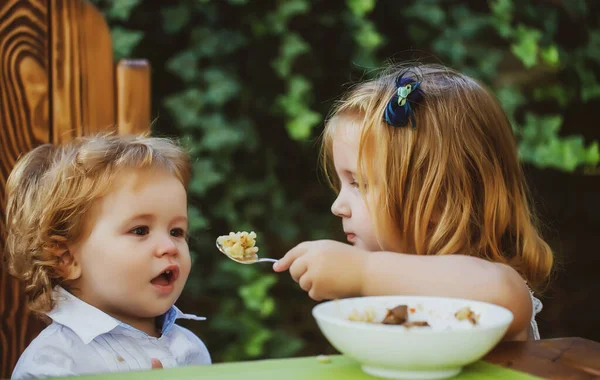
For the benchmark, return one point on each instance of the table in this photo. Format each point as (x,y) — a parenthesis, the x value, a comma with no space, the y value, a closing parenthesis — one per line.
(564,358)
(572,358)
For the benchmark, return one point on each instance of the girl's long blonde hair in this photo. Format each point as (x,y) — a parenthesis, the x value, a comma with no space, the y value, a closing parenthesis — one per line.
(451,185)
(50,191)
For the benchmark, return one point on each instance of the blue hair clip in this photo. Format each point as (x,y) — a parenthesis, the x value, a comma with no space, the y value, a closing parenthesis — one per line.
(399,110)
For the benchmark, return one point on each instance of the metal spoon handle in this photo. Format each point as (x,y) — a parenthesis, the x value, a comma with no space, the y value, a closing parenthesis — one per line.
(267,260)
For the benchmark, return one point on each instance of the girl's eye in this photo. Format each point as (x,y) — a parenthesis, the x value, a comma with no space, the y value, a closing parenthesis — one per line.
(354,184)
(177,232)
(140,230)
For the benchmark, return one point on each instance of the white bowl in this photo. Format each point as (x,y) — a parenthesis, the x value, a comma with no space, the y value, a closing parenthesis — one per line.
(397,352)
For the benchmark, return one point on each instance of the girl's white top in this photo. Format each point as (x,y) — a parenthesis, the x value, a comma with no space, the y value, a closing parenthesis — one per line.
(534,332)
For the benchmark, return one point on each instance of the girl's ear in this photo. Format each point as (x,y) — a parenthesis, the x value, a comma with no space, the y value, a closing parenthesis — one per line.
(68,266)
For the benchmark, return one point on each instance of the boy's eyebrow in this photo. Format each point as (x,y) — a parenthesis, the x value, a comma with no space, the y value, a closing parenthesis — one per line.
(180,218)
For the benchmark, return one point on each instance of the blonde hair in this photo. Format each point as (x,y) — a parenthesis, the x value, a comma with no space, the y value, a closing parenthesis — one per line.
(451,185)
(50,191)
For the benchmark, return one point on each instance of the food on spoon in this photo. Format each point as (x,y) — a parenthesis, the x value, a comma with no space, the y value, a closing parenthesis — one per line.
(467,313)
(240,245)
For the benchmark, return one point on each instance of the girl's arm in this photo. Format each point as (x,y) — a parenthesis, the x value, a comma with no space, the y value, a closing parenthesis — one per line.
(388,273)
(328,269)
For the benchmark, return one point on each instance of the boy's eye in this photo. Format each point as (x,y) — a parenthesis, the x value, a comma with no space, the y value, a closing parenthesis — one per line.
(140,230)
(177,232)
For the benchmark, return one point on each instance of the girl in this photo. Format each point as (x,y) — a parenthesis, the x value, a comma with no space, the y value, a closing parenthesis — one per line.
(431,196)
(97,231)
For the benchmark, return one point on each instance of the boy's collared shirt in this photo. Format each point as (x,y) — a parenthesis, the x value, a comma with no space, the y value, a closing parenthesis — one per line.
(83,339)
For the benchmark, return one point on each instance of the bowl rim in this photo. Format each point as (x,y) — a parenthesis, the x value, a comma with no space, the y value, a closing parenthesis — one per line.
(504,322)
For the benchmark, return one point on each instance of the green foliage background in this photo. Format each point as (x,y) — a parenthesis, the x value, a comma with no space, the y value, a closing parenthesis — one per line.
(247,84)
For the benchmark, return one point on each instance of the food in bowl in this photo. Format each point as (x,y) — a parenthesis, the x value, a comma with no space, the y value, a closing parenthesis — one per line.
(399,315)
(239,245)
(451,340)
(468,314)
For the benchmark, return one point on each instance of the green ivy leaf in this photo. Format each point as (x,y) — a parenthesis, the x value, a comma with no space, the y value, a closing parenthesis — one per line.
(590,88)
(196,221)
(301,126)
(577,8)
(204,176)
(291,47)
(185,107)
(302,120)
(285,345)
(121,10)
(592,49)
(255,346)
(256,293)
(175,18)
(360,7)
(428,12)
(124,41)
(221,86)
(563,95)
(184,65)
(526,45)
(550,55)
(367,36)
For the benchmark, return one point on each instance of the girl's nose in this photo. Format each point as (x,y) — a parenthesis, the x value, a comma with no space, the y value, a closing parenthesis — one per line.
(340,207)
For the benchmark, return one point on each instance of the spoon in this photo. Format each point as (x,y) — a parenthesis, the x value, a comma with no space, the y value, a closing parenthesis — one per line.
(252,260)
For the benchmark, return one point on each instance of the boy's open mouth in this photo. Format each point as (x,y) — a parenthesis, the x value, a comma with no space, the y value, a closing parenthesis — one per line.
(167,276)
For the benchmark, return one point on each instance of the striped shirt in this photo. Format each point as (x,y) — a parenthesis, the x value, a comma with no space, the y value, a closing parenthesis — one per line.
(83,339)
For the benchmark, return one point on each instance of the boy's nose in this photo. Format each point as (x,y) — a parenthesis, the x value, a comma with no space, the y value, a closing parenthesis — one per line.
(167,247)
(340,207)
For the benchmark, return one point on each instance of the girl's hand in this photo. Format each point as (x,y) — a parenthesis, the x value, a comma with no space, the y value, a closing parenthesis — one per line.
(325,269)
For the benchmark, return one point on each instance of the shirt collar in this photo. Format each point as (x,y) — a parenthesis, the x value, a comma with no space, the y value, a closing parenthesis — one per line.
(89,322)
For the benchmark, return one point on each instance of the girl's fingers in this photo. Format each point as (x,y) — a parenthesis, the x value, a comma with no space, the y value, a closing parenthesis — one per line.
(286,261)
(298,268)
(305,282)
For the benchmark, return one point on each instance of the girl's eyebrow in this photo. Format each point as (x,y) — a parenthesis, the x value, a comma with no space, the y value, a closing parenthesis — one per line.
(141,216)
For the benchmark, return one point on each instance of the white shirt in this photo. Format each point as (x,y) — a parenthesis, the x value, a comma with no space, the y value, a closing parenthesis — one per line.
(534,332)
(83,339)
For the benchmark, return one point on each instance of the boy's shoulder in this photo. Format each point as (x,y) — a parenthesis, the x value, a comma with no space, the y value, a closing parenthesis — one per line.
(50,354)
(190,346)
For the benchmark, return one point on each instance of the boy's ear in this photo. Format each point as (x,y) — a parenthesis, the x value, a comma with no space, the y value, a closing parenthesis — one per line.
(68,265)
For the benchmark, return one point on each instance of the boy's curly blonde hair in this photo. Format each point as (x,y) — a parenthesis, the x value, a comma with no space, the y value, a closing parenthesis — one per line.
(50,191)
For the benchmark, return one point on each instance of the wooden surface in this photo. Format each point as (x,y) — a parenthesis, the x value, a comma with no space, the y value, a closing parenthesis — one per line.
(564,358)
(133,96)
(24,124)
(83,89)
(57,81)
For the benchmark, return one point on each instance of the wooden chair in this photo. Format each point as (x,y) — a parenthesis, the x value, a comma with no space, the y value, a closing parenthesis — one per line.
(57,81)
